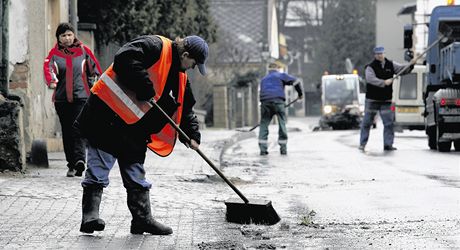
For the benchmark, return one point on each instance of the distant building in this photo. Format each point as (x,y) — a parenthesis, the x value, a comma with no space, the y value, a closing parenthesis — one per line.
(248,40)
(419,12)
(300,54)
(390,27)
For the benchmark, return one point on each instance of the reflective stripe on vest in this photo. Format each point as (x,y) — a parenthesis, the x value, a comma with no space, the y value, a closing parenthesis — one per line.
(121,100)
(124,103)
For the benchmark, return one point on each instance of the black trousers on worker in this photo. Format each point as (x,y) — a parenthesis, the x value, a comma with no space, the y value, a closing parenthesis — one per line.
(74,144)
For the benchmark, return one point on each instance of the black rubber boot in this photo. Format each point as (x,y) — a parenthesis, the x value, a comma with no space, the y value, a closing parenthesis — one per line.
(79,168)
(90,221)
(143,222)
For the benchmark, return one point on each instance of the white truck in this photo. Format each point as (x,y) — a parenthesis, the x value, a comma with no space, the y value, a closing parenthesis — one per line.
(408,99)
(342,102)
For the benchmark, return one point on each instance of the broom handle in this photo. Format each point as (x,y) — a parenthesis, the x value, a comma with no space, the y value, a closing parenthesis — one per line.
(290,103)
(170,121)
(419,56)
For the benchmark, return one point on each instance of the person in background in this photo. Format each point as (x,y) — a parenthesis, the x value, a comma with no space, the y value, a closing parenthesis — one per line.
(272,100)
(120,123)
(70,69)
(379,93)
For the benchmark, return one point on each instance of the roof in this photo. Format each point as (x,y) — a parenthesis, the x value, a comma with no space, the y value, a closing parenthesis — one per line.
(242,24)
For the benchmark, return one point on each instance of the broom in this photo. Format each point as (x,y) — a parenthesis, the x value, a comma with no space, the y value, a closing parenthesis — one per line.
(243,211)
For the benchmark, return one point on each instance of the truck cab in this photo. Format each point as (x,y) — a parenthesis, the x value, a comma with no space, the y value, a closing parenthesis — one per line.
(408,99)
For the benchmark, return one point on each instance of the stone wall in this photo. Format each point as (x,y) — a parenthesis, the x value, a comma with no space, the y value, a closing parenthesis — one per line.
(221,107)
(12,151)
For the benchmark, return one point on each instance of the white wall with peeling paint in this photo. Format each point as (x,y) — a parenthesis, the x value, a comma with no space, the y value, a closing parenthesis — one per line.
(30,37)
(18,29)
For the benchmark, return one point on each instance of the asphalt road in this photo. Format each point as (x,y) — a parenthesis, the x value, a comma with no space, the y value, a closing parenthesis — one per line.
(333,195)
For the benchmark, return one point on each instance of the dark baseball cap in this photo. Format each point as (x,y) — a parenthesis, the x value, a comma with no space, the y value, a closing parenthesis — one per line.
(198,50)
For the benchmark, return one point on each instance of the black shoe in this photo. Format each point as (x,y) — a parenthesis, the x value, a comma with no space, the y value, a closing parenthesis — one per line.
(79,168)
(90,221)
(71,172)
(389,148)
(362,148)
(263,153)
(143,222)
(283,152)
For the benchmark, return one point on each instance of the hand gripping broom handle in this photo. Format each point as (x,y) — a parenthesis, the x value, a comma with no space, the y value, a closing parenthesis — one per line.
(170,121)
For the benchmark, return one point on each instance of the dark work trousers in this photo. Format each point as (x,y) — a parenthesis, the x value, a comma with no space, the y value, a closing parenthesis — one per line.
(100,164)
(267,111)
(74,145)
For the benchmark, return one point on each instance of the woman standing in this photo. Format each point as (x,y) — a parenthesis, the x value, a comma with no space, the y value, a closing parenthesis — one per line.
(70,69)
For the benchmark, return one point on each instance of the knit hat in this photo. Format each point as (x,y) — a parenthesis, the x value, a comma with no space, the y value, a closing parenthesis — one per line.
(379,50)
(198,50)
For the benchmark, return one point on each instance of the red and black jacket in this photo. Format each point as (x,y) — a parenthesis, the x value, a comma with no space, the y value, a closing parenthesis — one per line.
(72,69)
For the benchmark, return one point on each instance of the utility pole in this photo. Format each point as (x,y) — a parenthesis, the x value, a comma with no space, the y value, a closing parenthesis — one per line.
(73,15)
(4,48)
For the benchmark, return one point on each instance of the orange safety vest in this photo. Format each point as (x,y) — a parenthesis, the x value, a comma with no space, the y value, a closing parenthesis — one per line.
(123,101)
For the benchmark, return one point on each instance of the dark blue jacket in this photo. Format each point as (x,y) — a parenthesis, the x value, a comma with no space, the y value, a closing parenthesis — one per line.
(272,86)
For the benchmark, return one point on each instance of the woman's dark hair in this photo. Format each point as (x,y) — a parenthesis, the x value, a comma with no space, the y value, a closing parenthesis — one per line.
(62,28)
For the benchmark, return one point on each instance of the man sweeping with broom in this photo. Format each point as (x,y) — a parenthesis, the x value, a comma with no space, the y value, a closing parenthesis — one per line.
(120,123)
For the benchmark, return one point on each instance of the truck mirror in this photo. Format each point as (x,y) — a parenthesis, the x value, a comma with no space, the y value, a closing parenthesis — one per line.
(433,68)
(408,31)
(408,55)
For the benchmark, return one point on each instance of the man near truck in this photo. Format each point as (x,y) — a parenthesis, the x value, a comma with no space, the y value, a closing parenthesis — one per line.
(379,90)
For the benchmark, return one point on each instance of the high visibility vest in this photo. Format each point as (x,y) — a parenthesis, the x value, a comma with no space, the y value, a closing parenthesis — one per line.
(124,103)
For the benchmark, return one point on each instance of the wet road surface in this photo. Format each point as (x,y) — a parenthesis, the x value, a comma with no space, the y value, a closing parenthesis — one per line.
(328,194)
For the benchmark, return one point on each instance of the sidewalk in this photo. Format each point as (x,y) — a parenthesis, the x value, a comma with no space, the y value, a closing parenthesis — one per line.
(42,208)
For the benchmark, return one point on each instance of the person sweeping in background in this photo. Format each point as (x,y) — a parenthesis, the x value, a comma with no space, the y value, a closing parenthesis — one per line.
(272,100)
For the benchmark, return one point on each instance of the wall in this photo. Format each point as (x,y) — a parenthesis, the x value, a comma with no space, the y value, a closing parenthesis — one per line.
(390,28)
(221,106)
(32,27)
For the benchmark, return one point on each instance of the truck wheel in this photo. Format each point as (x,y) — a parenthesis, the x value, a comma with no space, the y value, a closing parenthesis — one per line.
(431,133)
(457,145)
(442,146)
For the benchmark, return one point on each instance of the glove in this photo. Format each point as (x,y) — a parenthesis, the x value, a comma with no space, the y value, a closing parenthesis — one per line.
(145,92)
(168,104)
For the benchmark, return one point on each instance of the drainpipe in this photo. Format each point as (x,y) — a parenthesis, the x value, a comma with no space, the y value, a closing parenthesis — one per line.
(4,48)
(73,15)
